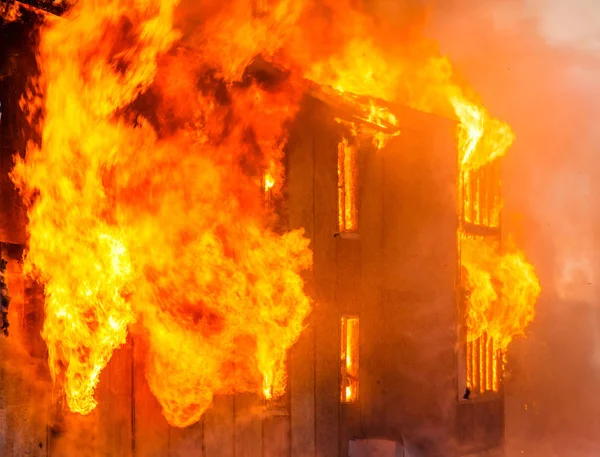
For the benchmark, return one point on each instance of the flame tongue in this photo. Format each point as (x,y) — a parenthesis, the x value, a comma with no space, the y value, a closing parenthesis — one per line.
(146,196)
(164,228)
(502,288)
(75,245)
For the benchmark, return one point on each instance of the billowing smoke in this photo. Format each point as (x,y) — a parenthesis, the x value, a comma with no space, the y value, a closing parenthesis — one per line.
(536,64)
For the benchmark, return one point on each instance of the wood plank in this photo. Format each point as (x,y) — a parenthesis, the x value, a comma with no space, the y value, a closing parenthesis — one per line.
(187,442)
(300,208)
(327,315)
(419,251)
(12,211)
(276,436)
(480,230)
(74,434)
(150,428)
(33,313)
(349,298)
(219,428)
(372,317)
(4,430)
(105,413)
(115,403)
(302,394)
(12,382)
(248,425)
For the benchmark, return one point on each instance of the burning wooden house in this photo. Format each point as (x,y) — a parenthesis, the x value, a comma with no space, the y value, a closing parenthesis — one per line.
(402,345)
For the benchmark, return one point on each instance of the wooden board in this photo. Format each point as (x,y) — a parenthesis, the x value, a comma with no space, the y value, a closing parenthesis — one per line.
(300,207)
(419,271)
(115,408)
(372,317)
(219,429)
(187,442)
(248,425)
(327,314)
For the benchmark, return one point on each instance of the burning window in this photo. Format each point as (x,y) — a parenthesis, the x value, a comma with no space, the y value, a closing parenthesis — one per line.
(479,240)
(499,288)
(481,197)
(349,359)
(347,188)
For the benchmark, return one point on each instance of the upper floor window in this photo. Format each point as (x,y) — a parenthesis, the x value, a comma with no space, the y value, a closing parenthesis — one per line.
(347,187)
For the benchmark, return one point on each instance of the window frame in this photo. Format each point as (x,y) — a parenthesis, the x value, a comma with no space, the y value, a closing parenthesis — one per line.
(480,195)
(347,379)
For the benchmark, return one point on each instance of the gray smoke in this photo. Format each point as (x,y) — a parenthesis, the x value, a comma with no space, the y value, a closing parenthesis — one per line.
(536,64)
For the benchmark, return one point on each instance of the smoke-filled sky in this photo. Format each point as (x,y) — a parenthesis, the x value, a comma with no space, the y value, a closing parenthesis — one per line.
(536,64)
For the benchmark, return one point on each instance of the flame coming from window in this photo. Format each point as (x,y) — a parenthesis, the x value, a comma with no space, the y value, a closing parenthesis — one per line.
(418,76)
(349,359)
(146,194)
(347,189)
(501,286)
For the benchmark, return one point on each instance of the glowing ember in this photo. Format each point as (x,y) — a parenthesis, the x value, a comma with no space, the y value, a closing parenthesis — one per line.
(502,287)
(349,358)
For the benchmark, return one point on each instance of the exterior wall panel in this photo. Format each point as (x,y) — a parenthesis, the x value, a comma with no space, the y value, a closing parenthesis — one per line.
(398,276)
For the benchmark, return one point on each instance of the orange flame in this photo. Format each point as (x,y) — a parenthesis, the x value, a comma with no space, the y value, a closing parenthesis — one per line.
(154,216)
(424,80)
(145,197)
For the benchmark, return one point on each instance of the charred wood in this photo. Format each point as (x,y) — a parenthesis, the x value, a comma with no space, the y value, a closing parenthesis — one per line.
(54,7)
(4,298)
(480,230)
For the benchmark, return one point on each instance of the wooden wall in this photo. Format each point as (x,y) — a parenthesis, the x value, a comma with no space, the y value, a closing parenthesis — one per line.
(398,277)
(24,383)
(408,240)
(24,378)
(16,61)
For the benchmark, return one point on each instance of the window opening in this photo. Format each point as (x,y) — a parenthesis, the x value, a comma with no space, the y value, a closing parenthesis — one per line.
(349,359)
(347,188)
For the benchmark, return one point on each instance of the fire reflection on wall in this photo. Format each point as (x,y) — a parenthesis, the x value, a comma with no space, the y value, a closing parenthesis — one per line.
(347,190)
